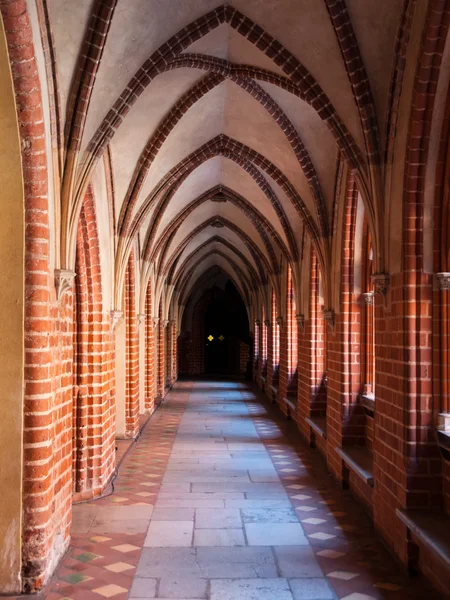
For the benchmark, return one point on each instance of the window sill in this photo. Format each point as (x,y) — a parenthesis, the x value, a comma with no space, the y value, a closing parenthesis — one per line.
(431,529)
(318,425)
(359,460)
(443,439)
(289,402)
(367,401)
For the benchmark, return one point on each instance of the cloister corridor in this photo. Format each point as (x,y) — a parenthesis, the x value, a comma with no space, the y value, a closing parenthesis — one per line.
(219,499)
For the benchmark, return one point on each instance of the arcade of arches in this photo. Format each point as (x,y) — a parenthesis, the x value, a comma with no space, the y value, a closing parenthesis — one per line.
(257,191)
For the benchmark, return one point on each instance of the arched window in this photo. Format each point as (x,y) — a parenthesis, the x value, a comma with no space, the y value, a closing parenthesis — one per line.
(275,341)
(367,316)
(256,344)
(292,337)
(264,343)
(319,353)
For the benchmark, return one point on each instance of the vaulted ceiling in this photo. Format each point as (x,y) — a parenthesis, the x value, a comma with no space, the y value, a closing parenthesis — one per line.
(224,124)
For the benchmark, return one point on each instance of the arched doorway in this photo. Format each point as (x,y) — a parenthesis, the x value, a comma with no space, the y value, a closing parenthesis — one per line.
(225,330)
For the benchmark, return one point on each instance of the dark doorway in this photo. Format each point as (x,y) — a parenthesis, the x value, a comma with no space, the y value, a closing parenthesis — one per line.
(225,330)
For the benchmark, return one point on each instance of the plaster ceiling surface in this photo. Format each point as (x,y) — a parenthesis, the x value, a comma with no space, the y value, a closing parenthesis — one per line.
(224,234)
(208,263)
(143,120)
(292,215)
(381,18)
(200,216)
(199,125)
(315,135)
(210,174)
(69,21)
(263,126)
(221,251)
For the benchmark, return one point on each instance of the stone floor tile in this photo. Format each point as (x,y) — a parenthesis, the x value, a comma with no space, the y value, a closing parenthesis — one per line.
(168,562)
(243,562)
(169,514)
(219,537)
(169,533)
(269,515)
(250,589)
(297,561)
(184,587)
(275,534)
(211,518)
(143,588)
(311,589)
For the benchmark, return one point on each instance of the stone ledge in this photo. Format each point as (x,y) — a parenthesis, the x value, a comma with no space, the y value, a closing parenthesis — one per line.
(431,529)
(367,401)
(360,461)
(318,425)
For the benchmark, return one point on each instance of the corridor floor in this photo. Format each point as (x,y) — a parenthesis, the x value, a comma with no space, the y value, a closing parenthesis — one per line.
(217,500)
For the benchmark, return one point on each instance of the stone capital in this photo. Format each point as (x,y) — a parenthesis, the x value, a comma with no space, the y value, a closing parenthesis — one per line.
(155,322)
(116,317)
(368,298)
(63,281)
(140,318)
(258,322)
(329,317)
(300,321)
(267,323)
(443,280)
(381,283)
(280,321)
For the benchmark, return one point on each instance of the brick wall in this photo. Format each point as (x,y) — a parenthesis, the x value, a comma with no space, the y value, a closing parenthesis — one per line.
(93,390)
(149,353)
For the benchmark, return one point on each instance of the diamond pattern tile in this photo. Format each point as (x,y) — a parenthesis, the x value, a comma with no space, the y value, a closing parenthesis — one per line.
(119,567)
(109,591)
(320,535)
(344,575)
(330,553)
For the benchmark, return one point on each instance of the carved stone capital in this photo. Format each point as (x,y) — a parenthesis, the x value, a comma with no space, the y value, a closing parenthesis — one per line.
(381,283)
(258,322)
(140,318)
(155,322)
(63,281)
(300,321)
(368,298)
(329,317)
(443,280)
(116,317)
(165,323)
(267,323)
(280,321)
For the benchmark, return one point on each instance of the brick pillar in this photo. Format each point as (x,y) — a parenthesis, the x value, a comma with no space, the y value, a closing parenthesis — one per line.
(312,388)
(160,352)
(149,354)
(256,351)
(345,417)
(132,353)
(174,330)
(270,354)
